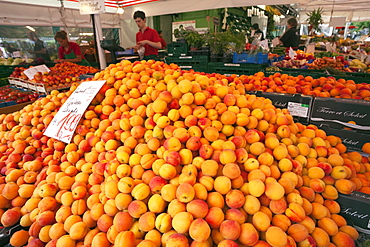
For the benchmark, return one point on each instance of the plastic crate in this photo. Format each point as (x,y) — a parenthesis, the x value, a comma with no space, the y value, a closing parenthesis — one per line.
(262,58)
(244,58)
(187,60)
(197,68)
(231,68)
(177,49)
(199,53)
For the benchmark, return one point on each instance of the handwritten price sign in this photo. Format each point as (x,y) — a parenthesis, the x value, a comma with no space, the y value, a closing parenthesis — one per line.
(67,118)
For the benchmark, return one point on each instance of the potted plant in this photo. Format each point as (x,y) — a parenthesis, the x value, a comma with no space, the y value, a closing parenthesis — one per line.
(314,19)
(194,39)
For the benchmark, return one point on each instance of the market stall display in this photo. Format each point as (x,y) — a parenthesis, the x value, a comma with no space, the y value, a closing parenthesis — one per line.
(59,77)
(163,155)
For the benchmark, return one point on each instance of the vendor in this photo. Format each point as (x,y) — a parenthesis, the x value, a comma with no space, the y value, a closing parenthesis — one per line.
(69,51)
(40,49)
(291,37)
(163,42)
(257,31)
(147,37)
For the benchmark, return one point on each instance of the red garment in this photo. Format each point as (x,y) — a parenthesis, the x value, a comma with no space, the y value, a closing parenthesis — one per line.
(151,35)
(163,42)
(73,47)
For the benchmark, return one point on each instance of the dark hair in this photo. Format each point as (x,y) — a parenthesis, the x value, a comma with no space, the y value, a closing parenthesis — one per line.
(61,35)
(159,31)
(139,14)
(293,22)
(32,35)
(255,26)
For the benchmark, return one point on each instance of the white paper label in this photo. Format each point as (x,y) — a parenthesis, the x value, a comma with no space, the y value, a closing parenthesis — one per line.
(88,7)
(16,54)
(275,42)
(292,53)
(67,118)
(298,109)
(31,72)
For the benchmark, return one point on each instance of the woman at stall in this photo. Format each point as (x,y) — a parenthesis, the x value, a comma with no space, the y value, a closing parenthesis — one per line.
(291,37)
(69,51)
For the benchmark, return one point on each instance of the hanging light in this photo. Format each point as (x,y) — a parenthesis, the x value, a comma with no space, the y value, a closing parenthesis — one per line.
(120,10)
(30,28)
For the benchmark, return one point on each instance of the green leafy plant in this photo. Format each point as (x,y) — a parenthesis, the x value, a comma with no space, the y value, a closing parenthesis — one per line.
(314,19)
(226,42)
(194,39)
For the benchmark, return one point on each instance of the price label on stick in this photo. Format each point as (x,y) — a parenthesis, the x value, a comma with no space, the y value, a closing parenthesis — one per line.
(67,118)
(31,72)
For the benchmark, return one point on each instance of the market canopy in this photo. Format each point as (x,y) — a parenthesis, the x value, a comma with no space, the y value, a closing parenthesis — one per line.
(48,12)
(353,10)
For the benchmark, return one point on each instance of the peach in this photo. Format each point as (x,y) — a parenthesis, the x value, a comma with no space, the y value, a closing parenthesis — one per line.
(10,217)
(278,206)
(163,222)
(276,237)
(185,192)
(230,229)
(181,222)
(248,234)
(295,212)
(227,243)
(136,208)
(251,205)
(298,232)
(235,199)
(215,217)
(351,231)
(56,231)
(147,221)
(342,239)
(19,238)
(261,221)
(274,191)
(321,237)
(199,230)
(156,204)
(65,241)
(319,211)
(177,239)
(198,208)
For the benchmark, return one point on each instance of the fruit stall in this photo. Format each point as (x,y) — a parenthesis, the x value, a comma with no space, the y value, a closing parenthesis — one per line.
(164,156)
(19,90)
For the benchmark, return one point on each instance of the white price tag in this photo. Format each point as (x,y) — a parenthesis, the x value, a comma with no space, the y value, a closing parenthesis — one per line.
(16,54)
(67,118)
(31,72)
(298,109)
(292,53)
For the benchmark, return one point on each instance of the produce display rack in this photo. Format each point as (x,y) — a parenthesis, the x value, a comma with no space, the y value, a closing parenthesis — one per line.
(197,63)
(235,68)
(36,87)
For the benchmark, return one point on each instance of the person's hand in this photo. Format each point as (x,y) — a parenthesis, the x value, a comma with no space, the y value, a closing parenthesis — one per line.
(59,60)
(143,42)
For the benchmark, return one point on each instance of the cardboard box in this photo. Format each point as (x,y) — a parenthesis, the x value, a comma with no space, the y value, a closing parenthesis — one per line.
(351,139)
(14,108)
(337,113)
(355,208)
(299,105)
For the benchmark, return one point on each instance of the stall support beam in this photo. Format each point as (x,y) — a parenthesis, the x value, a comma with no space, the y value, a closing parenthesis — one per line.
(98,38)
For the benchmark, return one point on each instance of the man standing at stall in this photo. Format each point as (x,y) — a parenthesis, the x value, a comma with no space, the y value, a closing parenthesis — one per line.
(147,38)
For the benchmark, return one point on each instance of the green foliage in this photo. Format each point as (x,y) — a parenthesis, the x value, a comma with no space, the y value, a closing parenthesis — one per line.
(194,39)
(315,18)
(361,25)
(226,42)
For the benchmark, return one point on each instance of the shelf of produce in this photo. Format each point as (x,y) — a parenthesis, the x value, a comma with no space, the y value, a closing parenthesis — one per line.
(36,87)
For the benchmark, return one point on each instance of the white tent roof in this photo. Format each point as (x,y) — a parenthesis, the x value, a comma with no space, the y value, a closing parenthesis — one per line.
(47,12)
(353,10)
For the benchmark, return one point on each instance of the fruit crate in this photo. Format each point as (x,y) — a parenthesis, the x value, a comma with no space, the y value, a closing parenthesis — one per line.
(187,60)
(258,58)
(197,68)
(8,69)
(234,68)
(177,49)
(196,53)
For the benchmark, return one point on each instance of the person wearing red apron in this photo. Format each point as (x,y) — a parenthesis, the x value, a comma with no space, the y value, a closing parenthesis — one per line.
(69,51)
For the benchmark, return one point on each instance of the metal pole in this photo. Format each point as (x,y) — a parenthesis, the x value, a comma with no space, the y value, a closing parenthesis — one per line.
(98,38)
(95,40)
